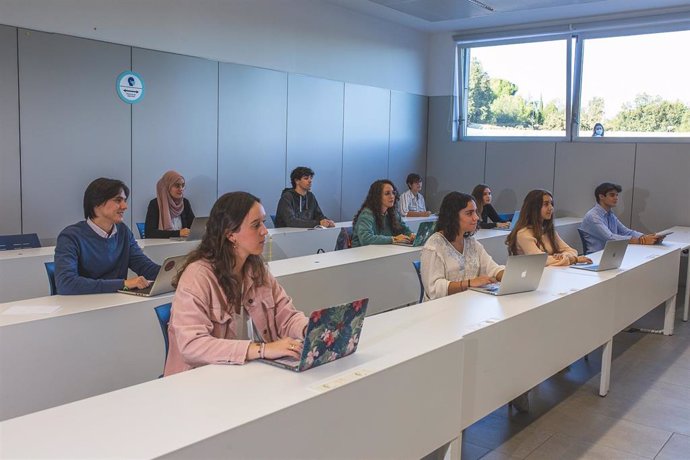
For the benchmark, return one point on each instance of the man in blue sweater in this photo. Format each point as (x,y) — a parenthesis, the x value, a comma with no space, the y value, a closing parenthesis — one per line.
(93,256)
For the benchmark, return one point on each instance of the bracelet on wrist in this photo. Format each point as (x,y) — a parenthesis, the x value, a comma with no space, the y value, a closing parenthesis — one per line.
(262,350)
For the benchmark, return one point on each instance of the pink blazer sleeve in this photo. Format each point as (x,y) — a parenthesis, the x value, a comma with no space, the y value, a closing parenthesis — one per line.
(196,302)
(290,321)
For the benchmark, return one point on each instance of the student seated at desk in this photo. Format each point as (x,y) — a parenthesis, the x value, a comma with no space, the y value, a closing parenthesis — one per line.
(298,206)
(169,214)
(600,224)
(93,256)
(452,259)
(411,203)
(377,221)
(482,196)
(225,282)
(535,233)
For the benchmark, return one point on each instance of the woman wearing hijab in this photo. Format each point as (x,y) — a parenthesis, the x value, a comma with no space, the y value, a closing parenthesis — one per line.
(169,214)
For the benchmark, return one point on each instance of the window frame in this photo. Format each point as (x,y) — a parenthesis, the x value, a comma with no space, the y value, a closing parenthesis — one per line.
(576,34)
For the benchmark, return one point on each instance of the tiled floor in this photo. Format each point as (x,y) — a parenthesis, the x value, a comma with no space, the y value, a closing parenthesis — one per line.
(646,414)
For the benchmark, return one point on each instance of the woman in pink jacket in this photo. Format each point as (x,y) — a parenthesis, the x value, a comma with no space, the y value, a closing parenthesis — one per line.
(225,282)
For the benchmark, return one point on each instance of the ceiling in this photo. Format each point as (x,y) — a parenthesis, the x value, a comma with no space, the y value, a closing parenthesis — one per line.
(458,15)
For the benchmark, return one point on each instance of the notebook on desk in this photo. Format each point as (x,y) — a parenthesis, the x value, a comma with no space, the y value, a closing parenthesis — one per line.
(163,282)
(425,230)
(196,231)
(522,274)
(333,333)
(513,222)
(611,258)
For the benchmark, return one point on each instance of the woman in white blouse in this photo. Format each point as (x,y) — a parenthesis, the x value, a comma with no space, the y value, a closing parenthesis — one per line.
(452,260)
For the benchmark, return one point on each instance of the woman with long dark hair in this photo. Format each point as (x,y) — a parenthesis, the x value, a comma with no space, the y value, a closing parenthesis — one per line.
(535,233)
(377,221)
(482,196)
(452,259)
(223,284)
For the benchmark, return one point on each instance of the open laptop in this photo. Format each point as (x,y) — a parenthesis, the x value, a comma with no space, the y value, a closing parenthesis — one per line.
(163,282)
(425,230)
(196,231)
(522,274)
(513,222)
(611,258)
(332,334)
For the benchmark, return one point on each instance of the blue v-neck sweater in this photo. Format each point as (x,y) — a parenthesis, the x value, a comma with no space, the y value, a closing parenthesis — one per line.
(87,263)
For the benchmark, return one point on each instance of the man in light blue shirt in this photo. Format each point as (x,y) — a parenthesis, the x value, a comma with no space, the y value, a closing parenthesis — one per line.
(600,224)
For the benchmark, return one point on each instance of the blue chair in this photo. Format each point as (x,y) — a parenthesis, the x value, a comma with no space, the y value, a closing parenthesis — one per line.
(163,314)
(344,240)
(141,226)
(50,269)
(21,241)
(585,249)
(418,268)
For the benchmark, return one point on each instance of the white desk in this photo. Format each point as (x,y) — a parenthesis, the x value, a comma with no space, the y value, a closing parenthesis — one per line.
(510,343)
(403,406)
(681,236)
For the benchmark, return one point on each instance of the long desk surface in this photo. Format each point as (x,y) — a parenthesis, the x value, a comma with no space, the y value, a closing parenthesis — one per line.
(23,275)
(481,351)
(361,406)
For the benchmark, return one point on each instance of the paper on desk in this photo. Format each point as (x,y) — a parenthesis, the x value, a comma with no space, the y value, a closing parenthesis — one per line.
(31,310)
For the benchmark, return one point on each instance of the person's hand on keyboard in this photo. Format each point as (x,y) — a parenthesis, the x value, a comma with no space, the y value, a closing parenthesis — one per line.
(482,280)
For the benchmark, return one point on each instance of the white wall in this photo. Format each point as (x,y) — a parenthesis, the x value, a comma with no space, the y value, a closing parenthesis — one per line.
(297,36)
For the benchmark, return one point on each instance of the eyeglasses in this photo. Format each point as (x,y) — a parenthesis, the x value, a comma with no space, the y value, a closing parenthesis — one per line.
(179,185)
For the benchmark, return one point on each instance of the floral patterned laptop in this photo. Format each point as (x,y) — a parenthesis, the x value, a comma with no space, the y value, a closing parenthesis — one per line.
(332,334)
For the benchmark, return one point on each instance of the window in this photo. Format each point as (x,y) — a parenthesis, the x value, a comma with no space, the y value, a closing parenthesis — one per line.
(628,75)
(637,86)
(517,90)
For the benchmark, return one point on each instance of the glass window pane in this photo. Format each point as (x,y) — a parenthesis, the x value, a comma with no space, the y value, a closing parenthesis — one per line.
(637,86)
(517,90)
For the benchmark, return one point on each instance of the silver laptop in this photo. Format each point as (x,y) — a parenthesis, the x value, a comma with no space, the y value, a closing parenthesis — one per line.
(163,282)
(196,231)
(522,274)
(513,222)
(612,257)
(425,230)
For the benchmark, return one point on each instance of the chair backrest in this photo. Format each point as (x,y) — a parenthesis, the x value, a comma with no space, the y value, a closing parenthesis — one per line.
(582,234)
(50,270)
(21,241)
(163,314)
(344,240)
(418,268)
(141,226)
(273,219)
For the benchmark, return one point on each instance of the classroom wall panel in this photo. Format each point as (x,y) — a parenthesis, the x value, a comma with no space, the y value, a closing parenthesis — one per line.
(515,168)
(174,126)
(581,166)
(252,131)
(662,187)
(366,127)
(451,166)
(74,128)
(10,183)
(407,145)
(315,137)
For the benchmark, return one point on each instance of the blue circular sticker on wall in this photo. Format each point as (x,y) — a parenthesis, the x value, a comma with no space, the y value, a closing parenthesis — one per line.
(130,87)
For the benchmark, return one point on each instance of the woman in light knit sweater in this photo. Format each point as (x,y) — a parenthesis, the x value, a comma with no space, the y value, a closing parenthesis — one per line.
(223,284)
(377,221)
(535,233)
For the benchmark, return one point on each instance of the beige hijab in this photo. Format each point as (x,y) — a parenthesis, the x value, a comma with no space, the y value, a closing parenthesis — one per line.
(168,207)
